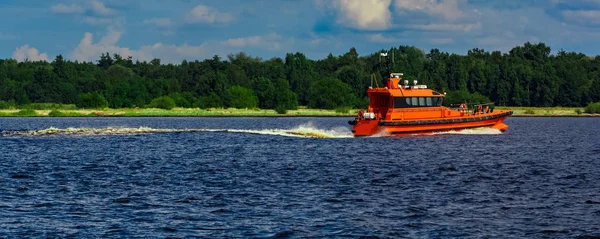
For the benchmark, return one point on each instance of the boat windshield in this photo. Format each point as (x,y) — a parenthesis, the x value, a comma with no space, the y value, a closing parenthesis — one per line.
(409,102)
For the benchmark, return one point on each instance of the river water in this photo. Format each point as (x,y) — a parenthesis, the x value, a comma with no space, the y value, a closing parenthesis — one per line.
(295,178)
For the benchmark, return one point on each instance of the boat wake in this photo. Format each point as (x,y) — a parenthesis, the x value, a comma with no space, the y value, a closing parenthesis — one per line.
(303,131)
(306,131)
(474,131)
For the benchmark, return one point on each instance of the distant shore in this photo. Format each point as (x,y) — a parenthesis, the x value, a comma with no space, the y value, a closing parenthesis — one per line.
(176,112)
(220,112)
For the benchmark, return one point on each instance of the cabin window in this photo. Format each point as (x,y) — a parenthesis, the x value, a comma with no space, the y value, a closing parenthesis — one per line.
(440,100)
(422,101)
(410,102)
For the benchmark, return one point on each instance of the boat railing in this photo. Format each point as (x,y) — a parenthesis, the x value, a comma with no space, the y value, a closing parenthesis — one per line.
(473,108)
(417,109)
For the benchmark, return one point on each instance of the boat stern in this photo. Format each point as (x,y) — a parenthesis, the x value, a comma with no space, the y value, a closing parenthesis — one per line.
(365,127)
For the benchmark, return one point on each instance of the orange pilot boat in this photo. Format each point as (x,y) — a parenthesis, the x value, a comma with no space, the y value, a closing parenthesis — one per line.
(401,108)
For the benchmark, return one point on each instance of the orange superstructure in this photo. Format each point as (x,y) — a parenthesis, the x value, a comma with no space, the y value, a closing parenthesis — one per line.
(400,108)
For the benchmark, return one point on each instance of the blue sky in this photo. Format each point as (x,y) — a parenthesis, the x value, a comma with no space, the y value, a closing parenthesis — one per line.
(173,30)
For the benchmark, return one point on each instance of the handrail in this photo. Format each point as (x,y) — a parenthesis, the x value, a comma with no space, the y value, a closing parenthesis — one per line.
(483,104)
(415,110)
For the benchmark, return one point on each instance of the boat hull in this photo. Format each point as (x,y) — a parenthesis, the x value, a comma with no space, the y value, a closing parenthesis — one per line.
(410,127)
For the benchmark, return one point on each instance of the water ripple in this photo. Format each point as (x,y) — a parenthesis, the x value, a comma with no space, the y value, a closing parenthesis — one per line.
(155,177)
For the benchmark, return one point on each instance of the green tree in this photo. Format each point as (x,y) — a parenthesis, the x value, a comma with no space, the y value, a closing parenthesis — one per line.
(184,99)
(284,97)
(91,100)
(330,93)
(358,81)
(265,91)
(459,97)
(300,74)
(242,97)
(163,102)
(210,101)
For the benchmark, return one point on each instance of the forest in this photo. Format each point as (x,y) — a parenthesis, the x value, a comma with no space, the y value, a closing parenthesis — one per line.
(527,75)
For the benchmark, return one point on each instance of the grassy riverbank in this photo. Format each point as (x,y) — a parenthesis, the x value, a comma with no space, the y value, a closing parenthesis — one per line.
(173,112)
(547,111)
(518,111)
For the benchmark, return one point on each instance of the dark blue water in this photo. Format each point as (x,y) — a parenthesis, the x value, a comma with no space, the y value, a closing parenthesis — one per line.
(539,179)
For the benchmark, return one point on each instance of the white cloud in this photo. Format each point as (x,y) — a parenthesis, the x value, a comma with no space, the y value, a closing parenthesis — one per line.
(159,22)
(316,41)
(67,9)
(26,52)
(380,38)
(7,37)
(448,9)
(244,41)
(87,50)
(99,8)
(364,14)
(208,15)
(173,53)
(441,41)
(448,27)
(268,42)
(585,17)
(515,29)
(100,21)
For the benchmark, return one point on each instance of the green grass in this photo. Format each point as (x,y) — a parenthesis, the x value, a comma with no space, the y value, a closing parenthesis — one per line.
(543,111)
(48,106)
(58,113)
(26,112)
(173,112)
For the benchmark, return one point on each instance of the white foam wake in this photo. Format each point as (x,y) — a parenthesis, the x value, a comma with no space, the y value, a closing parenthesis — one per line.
(473,131)
(307,131)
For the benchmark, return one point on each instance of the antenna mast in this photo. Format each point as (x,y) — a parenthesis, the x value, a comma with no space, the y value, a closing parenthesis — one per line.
(384,55)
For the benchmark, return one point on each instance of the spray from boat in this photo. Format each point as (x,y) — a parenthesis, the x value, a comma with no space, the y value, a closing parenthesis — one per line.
(308,130)
(305,131)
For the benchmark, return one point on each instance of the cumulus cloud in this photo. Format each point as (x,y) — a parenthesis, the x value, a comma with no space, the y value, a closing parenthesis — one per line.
(102,21)
(380,38)
(99,8)
(268,42)
(173,53)
(208,15)
(584,17)
(67,9)
(446,8)
(26,52)
(364,14)
(102,15)
(159,22)
(441,41)
(448,27)
(88,50)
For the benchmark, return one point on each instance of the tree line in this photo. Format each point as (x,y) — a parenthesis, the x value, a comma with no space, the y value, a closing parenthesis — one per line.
(527,75)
